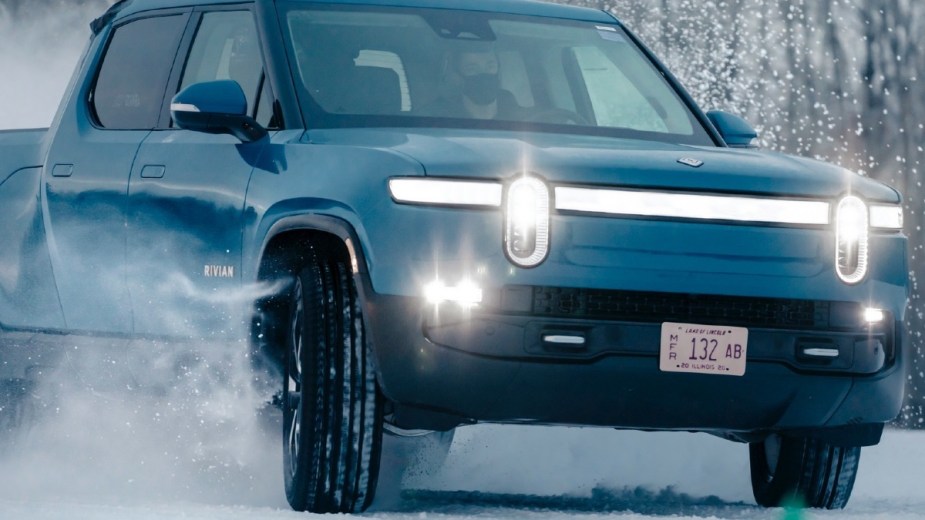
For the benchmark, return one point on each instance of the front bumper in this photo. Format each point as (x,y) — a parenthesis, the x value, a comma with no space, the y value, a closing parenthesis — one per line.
(492,365)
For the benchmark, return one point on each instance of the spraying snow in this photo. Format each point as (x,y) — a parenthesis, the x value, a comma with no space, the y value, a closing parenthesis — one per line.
(145,421)
(41,46)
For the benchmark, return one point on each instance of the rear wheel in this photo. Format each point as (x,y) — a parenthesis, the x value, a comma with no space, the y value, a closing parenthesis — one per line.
(17,413)
(802,472)
(332,412)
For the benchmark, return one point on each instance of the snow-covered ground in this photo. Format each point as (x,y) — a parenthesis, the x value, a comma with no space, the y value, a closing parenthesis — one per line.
(190,446)
(163,432)
(170,431)
(113,467)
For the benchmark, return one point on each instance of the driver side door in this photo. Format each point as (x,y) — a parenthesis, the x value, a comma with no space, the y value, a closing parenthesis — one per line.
(186,195)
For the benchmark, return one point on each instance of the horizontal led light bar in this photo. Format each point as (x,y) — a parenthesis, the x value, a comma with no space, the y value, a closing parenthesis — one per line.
(886,217)
(446,192)
(692,206)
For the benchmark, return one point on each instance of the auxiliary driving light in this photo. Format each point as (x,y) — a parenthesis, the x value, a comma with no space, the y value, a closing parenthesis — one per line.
(872,315)
(851,235)
(465,293)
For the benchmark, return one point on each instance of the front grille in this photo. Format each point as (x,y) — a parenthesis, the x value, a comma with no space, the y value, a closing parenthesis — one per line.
(686,308)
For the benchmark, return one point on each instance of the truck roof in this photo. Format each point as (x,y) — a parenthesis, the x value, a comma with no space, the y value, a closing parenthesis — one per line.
(527,7)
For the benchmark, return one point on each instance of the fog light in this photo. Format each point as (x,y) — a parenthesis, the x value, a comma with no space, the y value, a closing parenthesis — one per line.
(872,315)
(465,293)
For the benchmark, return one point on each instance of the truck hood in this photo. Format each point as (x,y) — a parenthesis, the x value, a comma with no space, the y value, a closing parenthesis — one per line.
(577,160)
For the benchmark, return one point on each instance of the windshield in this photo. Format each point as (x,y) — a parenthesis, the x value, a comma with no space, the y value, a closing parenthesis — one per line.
(361,66)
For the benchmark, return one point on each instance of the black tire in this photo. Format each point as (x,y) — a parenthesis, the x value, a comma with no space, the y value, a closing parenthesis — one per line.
(794,471)
(332,410)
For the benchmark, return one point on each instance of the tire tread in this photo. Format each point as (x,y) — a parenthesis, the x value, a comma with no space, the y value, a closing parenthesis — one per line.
(341,475)
(809,472)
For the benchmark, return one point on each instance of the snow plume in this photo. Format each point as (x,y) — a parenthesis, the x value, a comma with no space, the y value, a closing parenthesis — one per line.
(141,419)
(145,421)
(42,42)
(114,418)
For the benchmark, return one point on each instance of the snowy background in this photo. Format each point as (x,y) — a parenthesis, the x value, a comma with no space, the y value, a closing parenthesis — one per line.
(834,79)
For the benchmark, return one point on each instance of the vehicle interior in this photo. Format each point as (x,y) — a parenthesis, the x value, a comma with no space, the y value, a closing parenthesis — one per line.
(401,64)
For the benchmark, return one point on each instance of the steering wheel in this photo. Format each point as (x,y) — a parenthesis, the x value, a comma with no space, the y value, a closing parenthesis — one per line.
(559,116)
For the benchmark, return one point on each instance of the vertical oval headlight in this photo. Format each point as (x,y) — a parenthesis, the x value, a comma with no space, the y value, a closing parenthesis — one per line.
(526,230)
(851,236)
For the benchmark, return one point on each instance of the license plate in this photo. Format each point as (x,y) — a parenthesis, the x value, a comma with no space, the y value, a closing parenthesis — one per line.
(703,349)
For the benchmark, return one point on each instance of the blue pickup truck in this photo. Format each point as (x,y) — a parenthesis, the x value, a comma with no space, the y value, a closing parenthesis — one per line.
(447,212)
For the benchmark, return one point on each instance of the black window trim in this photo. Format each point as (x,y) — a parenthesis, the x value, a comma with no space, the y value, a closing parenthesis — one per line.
(266,88)
(286,107)
(176,69)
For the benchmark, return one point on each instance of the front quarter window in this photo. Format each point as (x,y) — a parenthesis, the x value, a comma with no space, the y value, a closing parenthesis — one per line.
(360,66)
(226,47)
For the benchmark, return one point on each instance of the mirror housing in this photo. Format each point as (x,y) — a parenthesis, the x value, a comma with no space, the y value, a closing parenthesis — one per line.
(216,107)
(734,130)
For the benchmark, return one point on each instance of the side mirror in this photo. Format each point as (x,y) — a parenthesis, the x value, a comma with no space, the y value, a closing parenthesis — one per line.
(735,131)
(216,107)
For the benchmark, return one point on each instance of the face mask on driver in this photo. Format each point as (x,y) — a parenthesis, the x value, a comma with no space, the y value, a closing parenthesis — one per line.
(482,89)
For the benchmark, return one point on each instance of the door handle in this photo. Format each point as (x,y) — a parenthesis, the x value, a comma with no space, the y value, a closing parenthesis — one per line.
(62,170)
(151,171)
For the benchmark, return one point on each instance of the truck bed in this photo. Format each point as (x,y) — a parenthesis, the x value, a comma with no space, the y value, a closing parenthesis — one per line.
(20,149)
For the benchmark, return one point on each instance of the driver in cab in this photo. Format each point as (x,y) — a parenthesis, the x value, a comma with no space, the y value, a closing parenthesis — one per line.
(478,93)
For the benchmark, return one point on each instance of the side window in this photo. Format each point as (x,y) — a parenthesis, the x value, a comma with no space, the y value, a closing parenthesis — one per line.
(130,85)
(226,47)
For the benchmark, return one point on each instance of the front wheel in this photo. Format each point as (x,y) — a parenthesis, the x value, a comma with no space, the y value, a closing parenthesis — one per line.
(332,411)
(802,472)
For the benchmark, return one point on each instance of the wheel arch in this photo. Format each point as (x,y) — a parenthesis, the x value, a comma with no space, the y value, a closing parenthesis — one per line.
(283,250)
(290,233)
